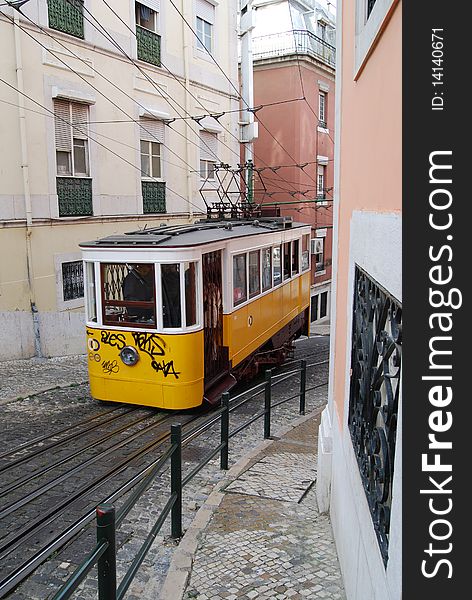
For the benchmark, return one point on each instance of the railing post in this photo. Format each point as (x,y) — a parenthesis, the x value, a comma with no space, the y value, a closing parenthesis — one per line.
(303,387)
(224,431)
(267,403)
(107,563)
(176,479)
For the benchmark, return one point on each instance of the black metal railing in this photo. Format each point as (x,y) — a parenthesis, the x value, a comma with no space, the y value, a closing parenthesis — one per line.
(148,45)
(297,41)
(74,195)
(154,196)
(103,555)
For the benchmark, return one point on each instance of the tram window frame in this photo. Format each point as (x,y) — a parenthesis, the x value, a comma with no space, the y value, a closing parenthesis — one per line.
(277,269)
(90,292)
(190,267)
(175,319)
(266,269)
(125,318)
(244,287)
(295,255)
(254,291)
(305,254)
(287,261)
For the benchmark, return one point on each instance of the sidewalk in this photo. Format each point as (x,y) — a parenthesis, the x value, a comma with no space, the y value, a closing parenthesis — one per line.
(30,376)
(260,534)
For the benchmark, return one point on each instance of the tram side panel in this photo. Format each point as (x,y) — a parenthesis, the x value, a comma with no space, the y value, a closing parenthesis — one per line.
(247,328)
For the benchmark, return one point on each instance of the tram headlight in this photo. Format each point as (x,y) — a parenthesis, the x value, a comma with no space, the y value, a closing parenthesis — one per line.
(129,356)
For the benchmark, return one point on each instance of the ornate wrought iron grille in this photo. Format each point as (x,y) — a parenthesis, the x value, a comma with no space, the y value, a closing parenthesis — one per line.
(75,196)
(67,16)
(154,196)
(374,391)
(370,6)
(113,276)
(73,280)
(149,46)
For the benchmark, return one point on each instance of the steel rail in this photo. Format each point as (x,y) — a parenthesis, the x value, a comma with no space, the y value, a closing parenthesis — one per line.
(54,433)
(63,441)
(20,482)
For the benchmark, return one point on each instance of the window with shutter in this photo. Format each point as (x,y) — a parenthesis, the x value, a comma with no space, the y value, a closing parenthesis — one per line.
(205,23)
(71,135)
(208,154)
(151,134)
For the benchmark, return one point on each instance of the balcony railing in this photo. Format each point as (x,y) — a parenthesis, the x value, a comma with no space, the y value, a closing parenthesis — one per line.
(75,196)
(67,16)
(149,46)
(154,196)
(297,41)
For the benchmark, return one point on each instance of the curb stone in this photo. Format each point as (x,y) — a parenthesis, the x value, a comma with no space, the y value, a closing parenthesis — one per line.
(180,566)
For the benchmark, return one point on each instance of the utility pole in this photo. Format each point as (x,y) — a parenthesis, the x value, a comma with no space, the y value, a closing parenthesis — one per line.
(249,127)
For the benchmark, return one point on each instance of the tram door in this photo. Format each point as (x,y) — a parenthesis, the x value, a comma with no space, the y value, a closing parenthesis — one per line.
(216,360)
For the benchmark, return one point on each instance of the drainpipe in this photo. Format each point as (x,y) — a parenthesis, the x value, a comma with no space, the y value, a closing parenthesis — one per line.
(26,188)
(188,129)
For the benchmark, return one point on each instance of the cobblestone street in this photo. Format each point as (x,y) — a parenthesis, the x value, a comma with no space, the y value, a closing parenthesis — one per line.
(266,538)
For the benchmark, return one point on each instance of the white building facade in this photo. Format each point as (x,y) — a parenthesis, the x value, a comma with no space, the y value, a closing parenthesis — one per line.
(112,115)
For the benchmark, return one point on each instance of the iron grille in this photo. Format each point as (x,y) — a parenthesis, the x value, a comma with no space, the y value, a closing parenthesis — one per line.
(74,195)
(370,6)
(113,276)
(67,16)
(374,391)
(149,46)
(73,280)
(154,196)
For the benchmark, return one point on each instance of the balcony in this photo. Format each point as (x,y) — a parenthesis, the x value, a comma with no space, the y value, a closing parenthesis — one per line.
(154,197)
(149,46)
(67,16)
(298,41)
(74,195)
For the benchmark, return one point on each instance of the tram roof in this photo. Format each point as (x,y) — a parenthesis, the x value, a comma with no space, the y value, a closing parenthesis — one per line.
(196,234)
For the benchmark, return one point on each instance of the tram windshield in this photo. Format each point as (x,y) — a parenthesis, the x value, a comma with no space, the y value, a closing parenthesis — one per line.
(128,294)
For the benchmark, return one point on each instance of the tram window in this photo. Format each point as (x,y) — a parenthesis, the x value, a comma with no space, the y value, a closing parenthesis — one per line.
(287,272)
(295,256)
(266,269)
(128,293)
(277,265)
(254,273)
(305,252)
(239,279)
(171,310)
(91,297)
(190,279)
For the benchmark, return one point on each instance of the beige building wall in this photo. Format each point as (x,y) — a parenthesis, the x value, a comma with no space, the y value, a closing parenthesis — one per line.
(45,63)
(368,201)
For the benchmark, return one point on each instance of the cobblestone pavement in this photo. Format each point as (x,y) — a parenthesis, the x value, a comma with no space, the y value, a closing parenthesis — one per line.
(38,412)
(266,538)
(22,378)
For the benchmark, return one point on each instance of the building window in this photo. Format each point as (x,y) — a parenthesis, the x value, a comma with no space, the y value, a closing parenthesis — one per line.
(205,22)
(322,30)
(319,306)
(74,187)
(317,250)
(322,109)
(67,16)
(320,182)
(208,154)
(147,40)
(72,280)
(239,279)
(151,143)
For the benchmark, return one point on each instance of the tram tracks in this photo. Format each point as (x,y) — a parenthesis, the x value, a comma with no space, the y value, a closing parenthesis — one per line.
(41,520)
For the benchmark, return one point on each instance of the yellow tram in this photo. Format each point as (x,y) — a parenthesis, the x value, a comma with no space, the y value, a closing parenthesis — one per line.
(176,314)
